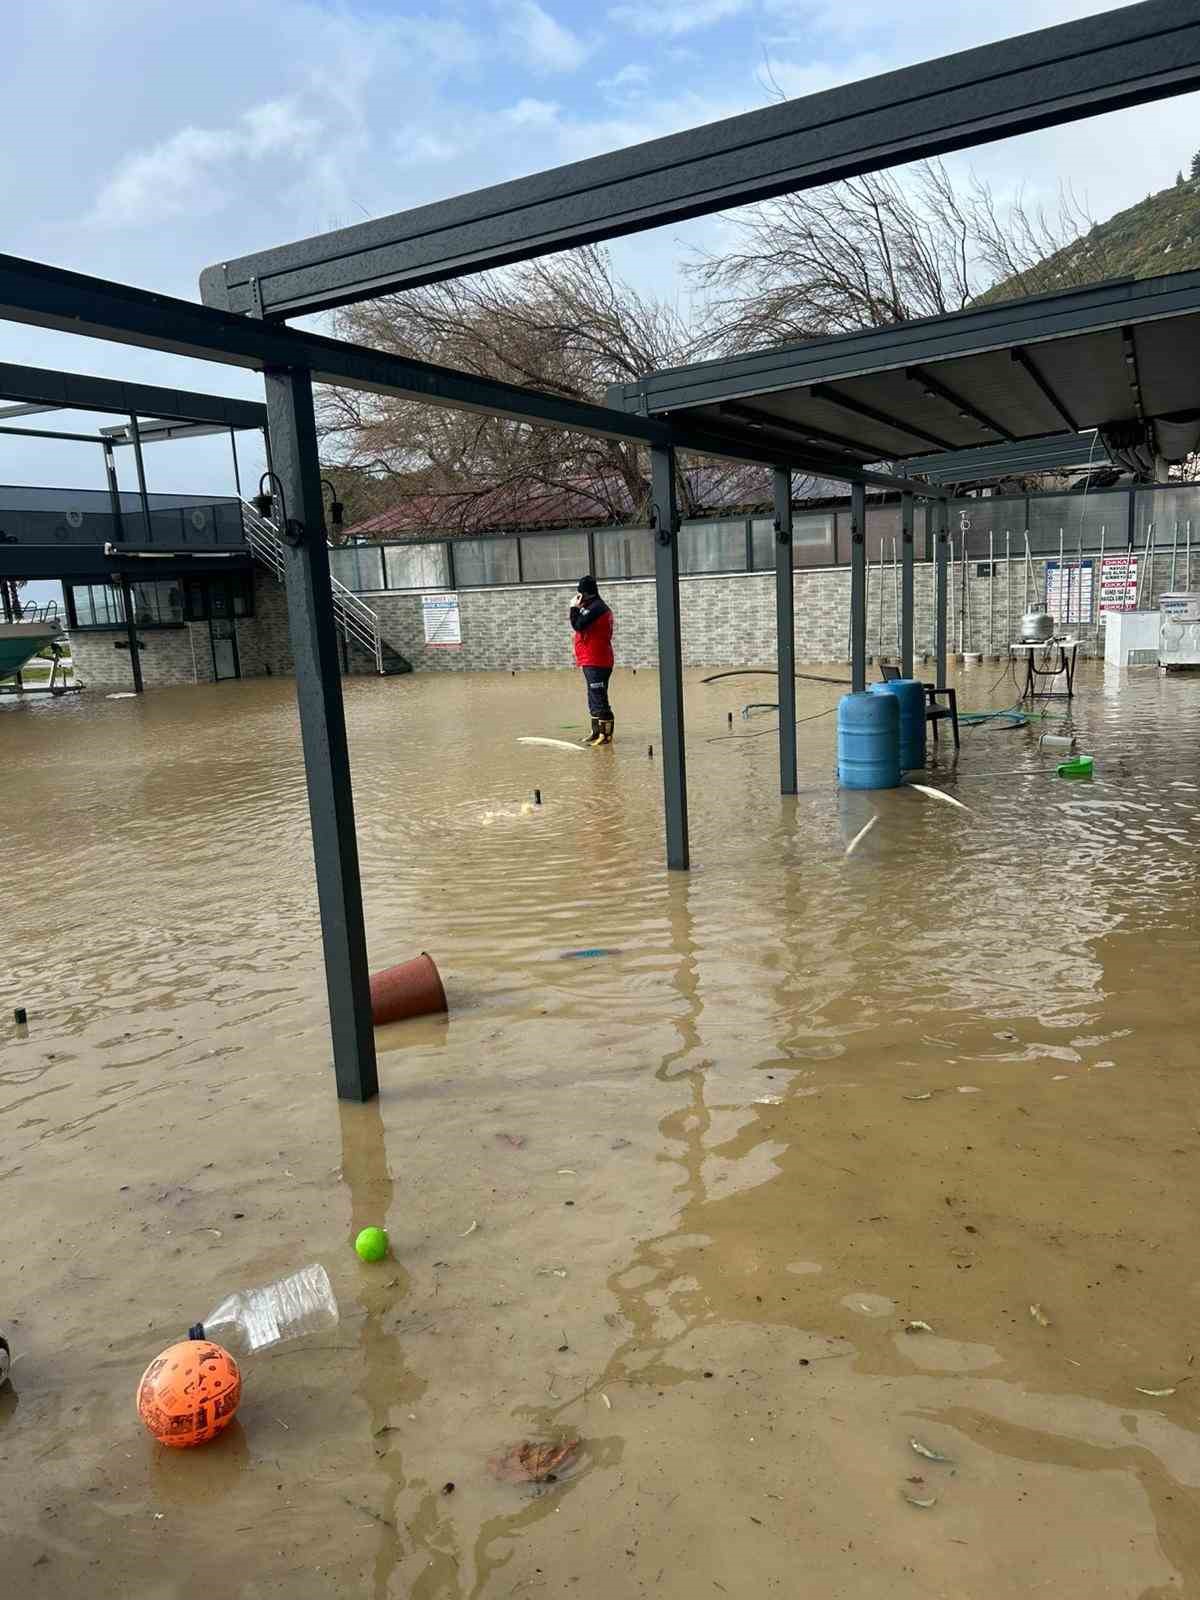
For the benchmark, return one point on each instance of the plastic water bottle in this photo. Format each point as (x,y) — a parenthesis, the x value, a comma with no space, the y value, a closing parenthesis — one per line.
(257,1319)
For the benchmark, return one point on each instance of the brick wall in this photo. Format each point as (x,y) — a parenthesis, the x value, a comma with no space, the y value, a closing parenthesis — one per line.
(183,655)
(726,621)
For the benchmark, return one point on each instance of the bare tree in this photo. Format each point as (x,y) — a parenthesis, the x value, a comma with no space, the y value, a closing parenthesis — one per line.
(567,325)
(880,249)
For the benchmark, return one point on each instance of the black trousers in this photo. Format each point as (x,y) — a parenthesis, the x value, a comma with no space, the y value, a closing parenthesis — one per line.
(596,679)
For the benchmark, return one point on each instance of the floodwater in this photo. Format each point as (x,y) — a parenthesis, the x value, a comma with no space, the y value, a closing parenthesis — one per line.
(678,1202)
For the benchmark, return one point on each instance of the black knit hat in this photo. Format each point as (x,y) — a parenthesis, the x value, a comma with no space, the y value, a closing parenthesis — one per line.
(587,584)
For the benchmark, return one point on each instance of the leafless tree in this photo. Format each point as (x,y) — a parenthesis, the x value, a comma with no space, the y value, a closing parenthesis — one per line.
(880,249)
(566,325)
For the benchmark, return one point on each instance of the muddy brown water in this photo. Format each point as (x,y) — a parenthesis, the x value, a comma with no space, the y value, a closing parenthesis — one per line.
(804,1100)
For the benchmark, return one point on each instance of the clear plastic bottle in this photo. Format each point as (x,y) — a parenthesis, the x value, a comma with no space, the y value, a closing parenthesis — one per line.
(256,1319)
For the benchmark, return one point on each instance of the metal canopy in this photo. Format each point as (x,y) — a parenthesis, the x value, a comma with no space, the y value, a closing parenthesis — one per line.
(50,297)
(191,414)
(1078,69)
(1050,454)
(1113,354)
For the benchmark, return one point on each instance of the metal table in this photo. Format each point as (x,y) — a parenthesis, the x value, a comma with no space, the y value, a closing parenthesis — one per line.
(1067,650)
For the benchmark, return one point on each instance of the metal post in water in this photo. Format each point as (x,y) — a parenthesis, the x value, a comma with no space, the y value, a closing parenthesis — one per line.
(1028,568)
(1079,576)
(879,628)
(896,592)
(785,630)
(940,585)
(135,660)
(1189,555)
(1174,553)
(670,654)
(1060,578)
(1007,589)
(858,587)
(314,637)
(906,586)
(1098,588)
(991,650)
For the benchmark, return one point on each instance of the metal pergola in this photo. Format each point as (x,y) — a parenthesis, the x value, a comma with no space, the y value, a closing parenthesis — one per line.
(1122,58)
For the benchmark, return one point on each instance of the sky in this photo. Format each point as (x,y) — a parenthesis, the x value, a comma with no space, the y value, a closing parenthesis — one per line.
(150,139)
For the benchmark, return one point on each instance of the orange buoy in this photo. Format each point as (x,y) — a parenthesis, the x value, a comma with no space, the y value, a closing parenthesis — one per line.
(413,989)
(189,1393)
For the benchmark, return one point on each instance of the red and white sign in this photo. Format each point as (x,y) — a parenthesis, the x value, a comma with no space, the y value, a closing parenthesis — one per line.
(1118,583)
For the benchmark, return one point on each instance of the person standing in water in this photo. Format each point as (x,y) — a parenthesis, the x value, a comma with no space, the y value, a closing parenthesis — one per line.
(592,622)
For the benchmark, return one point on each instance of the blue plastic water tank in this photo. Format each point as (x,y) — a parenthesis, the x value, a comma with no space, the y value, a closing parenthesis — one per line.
(868,741)
(911,696)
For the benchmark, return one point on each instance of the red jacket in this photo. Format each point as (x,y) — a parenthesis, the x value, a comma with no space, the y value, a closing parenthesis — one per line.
(593,625)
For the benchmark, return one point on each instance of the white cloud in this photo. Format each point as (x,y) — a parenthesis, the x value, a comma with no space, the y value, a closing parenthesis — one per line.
(538,40)
(671,18)
(633,76)
(183,172)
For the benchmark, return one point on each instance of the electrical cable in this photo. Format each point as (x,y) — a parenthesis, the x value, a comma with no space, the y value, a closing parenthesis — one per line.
(762,732)
(770,672)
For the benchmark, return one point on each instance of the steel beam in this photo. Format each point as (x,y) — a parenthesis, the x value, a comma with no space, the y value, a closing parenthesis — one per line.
(858,588)
(48,297)
(939,510)
(1038,80)
(1030,367)
(323,730)
(143,497)
(906,585)
(1003,460)
(859,408)
(114,494)
(49,433)
(785,630)
(756,417)
(965,408)
(135,661)
(665,522)
(73,391)
(84,563)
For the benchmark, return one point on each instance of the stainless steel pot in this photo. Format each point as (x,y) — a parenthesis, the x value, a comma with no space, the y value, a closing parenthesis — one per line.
(1037,627)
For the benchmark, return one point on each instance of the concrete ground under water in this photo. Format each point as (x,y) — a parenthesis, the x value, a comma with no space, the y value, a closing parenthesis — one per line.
(678,1202)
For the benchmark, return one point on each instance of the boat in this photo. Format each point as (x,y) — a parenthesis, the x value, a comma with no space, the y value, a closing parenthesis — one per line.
(21,641)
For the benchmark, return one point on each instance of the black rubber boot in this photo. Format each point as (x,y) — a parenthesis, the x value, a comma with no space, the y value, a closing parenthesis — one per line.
(607,724)
(597,736)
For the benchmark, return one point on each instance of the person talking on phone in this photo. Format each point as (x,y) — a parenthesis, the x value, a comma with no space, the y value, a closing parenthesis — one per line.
(592,622)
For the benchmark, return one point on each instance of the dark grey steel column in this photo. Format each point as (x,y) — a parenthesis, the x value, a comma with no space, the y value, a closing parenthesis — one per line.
(785,628)
(906,585)
(135,435)
(858,588)
(323,729)
(114,493)
(135,660)
(237,477)
(670,655)
(940,511)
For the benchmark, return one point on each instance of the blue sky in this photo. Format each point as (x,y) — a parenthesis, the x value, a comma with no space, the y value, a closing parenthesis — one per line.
(159,137)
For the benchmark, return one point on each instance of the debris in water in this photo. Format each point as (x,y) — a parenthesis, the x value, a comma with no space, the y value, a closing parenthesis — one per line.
(608,1402)
(555,744)
(515,1140)
(938,794)
(915,1500)
(918,1327)
(566,1172)
(1155,1394)
(1039,1316)
(588,954)
(926,1096)
(469,1231)
(534,1461)
(967,1088)
(1004,1034)
(861,835)
(931,1455)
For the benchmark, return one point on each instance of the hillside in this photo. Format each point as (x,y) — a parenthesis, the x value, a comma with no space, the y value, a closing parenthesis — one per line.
(1160,234)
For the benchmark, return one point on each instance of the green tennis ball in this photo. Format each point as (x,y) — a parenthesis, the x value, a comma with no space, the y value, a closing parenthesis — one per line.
(372,1244)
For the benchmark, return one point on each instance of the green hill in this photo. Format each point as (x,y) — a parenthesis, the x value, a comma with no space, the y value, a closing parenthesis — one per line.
(1158,235)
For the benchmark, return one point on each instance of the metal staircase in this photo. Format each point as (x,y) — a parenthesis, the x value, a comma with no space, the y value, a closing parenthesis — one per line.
(357,623)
